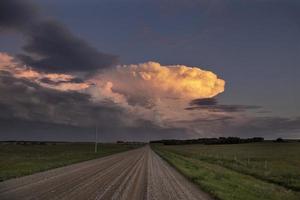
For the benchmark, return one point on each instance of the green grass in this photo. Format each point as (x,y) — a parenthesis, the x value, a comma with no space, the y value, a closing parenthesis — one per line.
(242,171)
(20,160)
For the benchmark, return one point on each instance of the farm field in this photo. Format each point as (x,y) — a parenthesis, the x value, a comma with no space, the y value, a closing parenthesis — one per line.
(264,170)
(19,160)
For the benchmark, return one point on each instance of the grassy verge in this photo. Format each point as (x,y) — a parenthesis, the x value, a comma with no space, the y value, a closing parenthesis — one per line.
(273,162)
(222,182)
(20,160)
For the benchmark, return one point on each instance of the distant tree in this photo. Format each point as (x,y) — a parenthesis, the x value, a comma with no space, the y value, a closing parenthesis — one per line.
(208,141)
(279,140)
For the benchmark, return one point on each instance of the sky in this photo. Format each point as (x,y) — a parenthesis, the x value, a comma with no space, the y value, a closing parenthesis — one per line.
(145,70)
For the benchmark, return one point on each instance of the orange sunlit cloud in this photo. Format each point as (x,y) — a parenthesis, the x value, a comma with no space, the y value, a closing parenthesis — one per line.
(152,80)
(8,64)
(155,92)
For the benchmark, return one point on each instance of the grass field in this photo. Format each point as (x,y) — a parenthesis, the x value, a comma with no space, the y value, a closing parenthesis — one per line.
(241,171)
(20,160)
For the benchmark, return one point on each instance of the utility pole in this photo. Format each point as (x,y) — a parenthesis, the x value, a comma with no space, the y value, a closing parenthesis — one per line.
(96,139)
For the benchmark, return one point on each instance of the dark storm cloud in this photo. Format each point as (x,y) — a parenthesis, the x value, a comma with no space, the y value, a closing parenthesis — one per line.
(26,100)
(50,46)
(206,102)
(16,14)
(232,108)
(32,112)
(212,105)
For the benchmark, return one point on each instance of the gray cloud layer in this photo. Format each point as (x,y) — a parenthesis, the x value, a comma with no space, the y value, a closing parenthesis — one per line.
(269,127)
(32,112)
(23,99)
(67,115)
(50,46)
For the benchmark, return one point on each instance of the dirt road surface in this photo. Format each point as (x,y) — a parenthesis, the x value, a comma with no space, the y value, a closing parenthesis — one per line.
(133,175)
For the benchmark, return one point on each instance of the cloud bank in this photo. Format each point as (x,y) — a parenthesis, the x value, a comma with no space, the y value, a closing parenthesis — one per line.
(50,46)
(142,101)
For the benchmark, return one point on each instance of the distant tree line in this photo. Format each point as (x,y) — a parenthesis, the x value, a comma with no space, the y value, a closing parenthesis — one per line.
(21,142)
(129,142)
(27,142)
(281,140)
(55,142)
(220,140)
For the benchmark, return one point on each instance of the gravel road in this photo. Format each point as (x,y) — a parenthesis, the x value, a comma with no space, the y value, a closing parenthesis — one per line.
(135,174)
